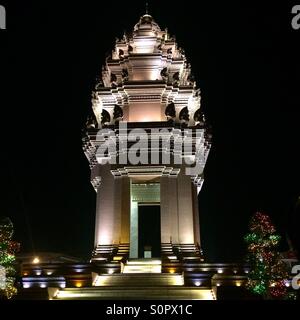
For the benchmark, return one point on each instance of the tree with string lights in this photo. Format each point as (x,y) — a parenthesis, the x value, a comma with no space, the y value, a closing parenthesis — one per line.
(268,275)
(8,249)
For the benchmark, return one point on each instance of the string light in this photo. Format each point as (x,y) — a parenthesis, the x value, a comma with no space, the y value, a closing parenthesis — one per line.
(268,272)
(8,249)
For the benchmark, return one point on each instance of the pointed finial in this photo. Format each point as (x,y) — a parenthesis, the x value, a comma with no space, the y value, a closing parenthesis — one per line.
(147,8)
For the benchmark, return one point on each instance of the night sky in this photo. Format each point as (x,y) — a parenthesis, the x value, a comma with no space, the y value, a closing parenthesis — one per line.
(245,60)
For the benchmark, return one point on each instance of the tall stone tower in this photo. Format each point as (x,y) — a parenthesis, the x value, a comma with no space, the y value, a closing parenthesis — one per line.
(147,144)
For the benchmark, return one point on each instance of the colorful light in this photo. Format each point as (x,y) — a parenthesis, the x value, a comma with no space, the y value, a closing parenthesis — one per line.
(8,249)
(268,272)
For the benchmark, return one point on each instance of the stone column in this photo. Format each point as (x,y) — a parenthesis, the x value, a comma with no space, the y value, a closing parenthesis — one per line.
(117,210)
(196,215)
(104,226)
(125,214)
(165,219)
(185,208)
(134,228)
(173,209)
(169,209)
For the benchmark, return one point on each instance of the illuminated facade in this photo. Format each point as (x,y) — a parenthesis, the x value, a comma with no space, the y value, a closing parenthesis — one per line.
(146,107)
(147,84)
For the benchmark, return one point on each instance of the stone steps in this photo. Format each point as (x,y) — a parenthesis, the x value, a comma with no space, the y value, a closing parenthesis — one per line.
(142,266)
(139,280)
(132,293)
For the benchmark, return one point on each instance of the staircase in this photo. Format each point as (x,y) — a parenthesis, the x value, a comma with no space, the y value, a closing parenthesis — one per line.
(104,252)
(132,293)
(111,252)
(142,266)
(141,279)
(122,253)
(188,252)
(167,252)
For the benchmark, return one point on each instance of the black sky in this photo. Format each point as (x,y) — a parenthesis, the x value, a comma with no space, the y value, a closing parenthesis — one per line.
(246,61)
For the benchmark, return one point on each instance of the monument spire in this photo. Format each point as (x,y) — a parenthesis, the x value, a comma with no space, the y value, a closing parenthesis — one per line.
(147,8)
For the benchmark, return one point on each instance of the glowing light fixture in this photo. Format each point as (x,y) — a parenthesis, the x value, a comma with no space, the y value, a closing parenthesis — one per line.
(100,281)
(147,266)
(197,283)
(36,260)
(110,271)
(220,270)
(42,285)
(238,284)
(78,270)
(26,285)
(117,258)
(78,284)
(178,280)
(38,273)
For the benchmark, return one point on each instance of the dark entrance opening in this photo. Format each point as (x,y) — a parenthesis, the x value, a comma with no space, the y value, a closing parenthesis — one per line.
(149,229)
